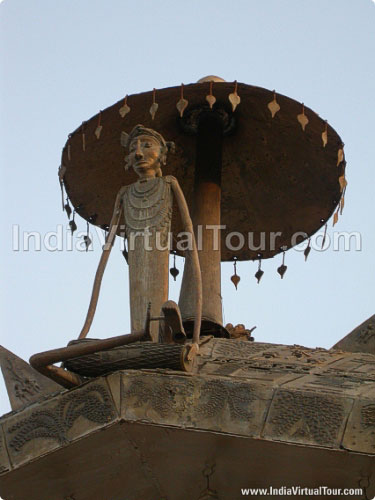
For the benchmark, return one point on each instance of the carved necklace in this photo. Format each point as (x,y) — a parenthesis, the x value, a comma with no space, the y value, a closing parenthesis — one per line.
(148,205)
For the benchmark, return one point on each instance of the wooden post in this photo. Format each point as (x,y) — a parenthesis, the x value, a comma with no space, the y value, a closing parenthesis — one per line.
(205,214)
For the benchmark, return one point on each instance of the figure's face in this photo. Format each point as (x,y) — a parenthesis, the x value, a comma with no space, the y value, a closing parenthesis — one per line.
(144,156)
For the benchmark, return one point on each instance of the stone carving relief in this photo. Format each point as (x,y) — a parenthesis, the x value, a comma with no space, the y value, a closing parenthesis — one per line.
(25,388)
(308,416)
(219,393)
(93,403)
(161,396)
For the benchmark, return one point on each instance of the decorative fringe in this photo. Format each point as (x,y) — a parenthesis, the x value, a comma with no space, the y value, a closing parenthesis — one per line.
(307,249)
(124,110)
(273,106)
(211,99)
(235,278)
(302,118)
(182,103)
(154,105)
(99,127)
(234,98)
(173,270)
(258,275)
(282,269)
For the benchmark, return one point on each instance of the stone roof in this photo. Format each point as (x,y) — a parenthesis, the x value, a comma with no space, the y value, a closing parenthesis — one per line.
(254,409)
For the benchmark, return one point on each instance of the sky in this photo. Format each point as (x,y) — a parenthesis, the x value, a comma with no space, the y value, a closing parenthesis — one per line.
(62,61)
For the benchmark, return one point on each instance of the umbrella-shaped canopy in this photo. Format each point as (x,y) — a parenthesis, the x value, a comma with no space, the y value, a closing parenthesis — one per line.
(280,167)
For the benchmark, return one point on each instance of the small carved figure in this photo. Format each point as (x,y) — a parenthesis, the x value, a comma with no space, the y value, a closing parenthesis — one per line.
(147,209)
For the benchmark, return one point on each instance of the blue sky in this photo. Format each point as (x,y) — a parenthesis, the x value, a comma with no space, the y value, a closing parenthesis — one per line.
(62,61)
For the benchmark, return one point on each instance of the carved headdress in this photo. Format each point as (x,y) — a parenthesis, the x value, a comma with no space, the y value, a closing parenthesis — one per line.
(139,130)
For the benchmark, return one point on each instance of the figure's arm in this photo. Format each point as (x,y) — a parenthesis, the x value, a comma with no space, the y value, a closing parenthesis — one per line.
(193,255)
(102,264)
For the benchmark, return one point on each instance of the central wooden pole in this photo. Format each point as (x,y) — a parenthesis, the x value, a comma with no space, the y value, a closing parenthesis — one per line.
(206,222)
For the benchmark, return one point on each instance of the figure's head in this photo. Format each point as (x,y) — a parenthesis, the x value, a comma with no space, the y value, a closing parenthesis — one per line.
(147,151)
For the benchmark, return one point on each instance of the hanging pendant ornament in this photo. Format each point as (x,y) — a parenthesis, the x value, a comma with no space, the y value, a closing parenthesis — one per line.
(182,103)
(342,201)
(234,98)
(324,236)
(61,173)
(307,250)
(302,118)
(154,105)
(83,137)
(72,224)
(86,238)
(124,110)
(99,127)
(259,273)
(211,99)
(343,183)
(67,208)
(282,269)
(235,278)
(273,106)
(325,136)
(69,148)
(173,270)
(340,155)
(336,216)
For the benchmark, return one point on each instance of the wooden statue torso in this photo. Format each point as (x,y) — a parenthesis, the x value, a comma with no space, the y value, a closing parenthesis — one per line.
(148,205)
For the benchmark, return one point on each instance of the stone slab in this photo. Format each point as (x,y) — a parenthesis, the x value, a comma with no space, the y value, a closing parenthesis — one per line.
(360,431)
(42,428)
(24,384)
(199,402)
(307,417)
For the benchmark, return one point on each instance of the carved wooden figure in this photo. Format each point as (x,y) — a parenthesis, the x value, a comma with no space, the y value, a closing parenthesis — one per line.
(147,206)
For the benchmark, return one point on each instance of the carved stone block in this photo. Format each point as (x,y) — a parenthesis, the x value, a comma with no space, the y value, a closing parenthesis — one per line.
(307,417)
(58,421)
(226,348)
(360,429)
(24,384)
(157,398)
(358,365)
(4,459)
(200,402)
(335,383)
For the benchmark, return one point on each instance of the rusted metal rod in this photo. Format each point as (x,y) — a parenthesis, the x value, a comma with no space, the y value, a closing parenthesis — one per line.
(43,361)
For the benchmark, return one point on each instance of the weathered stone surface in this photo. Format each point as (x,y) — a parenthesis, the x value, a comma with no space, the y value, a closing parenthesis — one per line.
(360,430)
(43,428)
(226,348)
(307,417)
(353,365)
(332,383)
(4,459)
(201,402)
(361,339)
(24,384)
